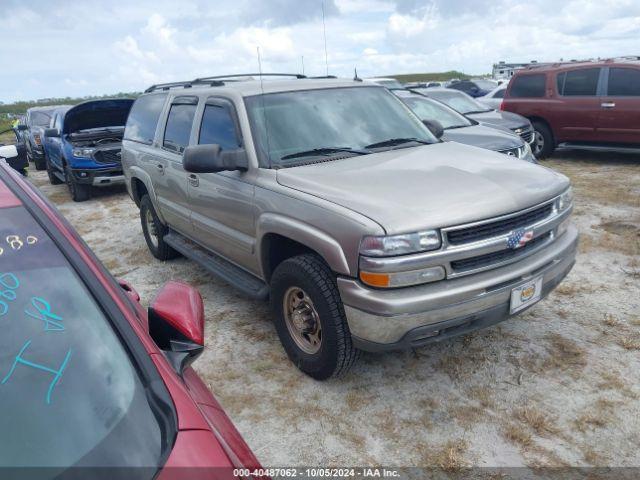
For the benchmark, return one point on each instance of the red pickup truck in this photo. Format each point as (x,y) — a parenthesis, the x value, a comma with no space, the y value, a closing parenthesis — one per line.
(592,105)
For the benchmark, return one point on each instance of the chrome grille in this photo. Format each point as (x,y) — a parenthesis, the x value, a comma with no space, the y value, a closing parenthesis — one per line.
(499,227)
(107,156)
(495,258)
(526,133)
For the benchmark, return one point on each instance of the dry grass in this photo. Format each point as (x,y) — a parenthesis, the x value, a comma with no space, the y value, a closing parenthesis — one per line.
(449,457)
(611,381)
(540,422)
(517,434)
(482,394)
(564,354)
(630,343)
(599,415)
(610,320)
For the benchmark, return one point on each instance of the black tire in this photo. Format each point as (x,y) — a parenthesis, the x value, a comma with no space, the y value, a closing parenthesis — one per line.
(40,163)
(336,352)
(158,248)
(53,178)
(544,143)
(79,192)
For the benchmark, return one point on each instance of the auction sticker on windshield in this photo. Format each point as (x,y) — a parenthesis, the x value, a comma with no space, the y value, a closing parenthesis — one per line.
(526,295)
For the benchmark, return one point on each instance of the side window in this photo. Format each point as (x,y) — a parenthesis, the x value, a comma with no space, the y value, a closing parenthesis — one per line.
(179,123)
(499,93)
(58,123)
(583,82)
(560,82)
(528,86)
(143,118)
(624,82)
(218,127)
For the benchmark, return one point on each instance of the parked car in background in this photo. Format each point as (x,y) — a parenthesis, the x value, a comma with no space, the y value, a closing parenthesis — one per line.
(593,105)
(452,126)
(330,198)
(423,84)
(77,344)
(385,82)
(493,99)
(18,157)
(36,120)
(83,145)
(482,114)
(474,88)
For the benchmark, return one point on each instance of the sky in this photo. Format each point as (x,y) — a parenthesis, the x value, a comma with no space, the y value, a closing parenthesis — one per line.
(58,48)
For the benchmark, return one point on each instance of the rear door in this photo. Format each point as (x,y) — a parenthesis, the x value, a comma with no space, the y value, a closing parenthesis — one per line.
(169,177)
(575,113)
(222,203)
(619,119)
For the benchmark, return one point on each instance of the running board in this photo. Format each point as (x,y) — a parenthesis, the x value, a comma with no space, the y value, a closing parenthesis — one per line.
(218,266)
(599,148)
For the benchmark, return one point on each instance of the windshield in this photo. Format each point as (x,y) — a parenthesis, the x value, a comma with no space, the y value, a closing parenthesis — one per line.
(389,83)
(40,119)
(485,84)
(428,109)
(286,123)
(69,394)
(461,102)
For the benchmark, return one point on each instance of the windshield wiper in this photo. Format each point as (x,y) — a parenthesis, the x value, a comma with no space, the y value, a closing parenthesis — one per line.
(397,141)
(324,151)
(479,111)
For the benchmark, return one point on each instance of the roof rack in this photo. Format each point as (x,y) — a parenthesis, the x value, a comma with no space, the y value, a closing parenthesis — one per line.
(244,75)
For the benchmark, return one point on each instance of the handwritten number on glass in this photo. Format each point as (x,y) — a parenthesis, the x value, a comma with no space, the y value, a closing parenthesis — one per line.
(57,374)
(52,322)
(9,283)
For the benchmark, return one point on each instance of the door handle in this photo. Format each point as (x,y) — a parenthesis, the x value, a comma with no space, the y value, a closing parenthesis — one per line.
(608,105)
(193,180)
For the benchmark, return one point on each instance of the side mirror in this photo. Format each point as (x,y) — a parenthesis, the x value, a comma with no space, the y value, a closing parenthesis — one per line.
(212,159)
(22,128)
(176,323)
(435,127)
(51,133)
(8,151)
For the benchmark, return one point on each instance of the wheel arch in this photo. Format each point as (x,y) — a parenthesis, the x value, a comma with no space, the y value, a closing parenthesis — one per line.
(537,118)
(139,183)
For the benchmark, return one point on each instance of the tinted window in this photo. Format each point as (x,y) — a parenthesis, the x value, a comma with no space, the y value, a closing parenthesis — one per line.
(143,118)
(40,119)
(428,109)
(459,101)
(581,82)
(179,123)
(624,82)
(528,86)
(218,127)
(70,393)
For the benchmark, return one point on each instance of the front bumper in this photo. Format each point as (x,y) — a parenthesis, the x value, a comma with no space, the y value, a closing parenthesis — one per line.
(411,317)
(99,177)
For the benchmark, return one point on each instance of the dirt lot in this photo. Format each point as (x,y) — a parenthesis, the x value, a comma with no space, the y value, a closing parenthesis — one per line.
(556,386)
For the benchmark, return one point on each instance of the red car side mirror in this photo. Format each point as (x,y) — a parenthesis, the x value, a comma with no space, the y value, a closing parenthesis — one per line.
(176,323)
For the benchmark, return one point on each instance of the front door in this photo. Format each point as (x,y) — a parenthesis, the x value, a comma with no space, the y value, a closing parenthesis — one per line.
(222,203)
(619,120)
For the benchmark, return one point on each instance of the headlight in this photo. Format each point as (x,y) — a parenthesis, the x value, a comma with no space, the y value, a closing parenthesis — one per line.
(525,152)
(388,246)
(566,200)
(83,152)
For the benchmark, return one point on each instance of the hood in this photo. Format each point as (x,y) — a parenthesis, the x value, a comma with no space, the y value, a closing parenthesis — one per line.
(431,186)
(501,119)
(97,114)
(484,137)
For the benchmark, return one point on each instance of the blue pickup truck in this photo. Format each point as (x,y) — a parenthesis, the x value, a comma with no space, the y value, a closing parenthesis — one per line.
(82,147)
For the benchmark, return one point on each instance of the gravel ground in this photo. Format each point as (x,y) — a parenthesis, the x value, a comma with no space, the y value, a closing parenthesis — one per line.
(556,386)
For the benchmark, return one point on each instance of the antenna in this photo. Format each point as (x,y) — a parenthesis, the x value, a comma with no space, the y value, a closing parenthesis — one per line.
(355,75)
(302,58)
(324,31)
(264,111)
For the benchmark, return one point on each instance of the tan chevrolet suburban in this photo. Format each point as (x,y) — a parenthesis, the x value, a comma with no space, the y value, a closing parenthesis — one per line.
(333,200)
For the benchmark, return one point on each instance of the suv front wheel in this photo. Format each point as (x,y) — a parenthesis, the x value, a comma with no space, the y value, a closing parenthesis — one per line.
(310,318)
(79,192)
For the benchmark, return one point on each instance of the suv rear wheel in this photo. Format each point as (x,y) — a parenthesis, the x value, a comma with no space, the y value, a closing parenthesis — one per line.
(543,144)
(310,318)
(154,231)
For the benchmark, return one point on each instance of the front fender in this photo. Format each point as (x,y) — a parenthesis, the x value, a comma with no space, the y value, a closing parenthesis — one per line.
(321,242)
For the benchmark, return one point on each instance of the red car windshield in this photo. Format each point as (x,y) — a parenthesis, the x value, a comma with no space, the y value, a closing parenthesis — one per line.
(69,392)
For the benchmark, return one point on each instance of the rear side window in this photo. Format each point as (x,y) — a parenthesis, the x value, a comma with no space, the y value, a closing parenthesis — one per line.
(582,82)
(143,118)
(218,127)
(528,86)
(624,82)
(179,123)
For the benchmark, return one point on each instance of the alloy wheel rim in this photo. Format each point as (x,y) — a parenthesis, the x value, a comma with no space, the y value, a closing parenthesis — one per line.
(151,228)
(302,320)
(539,143)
